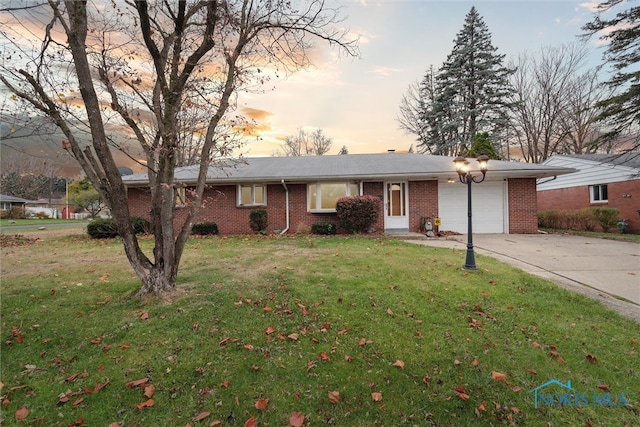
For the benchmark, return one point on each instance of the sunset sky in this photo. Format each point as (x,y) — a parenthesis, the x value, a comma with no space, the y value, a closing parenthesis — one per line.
(355,101)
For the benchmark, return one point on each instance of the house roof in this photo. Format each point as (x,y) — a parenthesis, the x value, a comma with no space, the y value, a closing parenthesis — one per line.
(11,199)
(354,167)
(593,169)
(629,159)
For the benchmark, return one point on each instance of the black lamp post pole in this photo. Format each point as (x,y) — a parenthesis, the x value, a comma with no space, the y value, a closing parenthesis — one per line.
(462,168)
(470,263)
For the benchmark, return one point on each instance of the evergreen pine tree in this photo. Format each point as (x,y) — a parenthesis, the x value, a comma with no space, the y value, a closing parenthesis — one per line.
(470,91)
(622,32)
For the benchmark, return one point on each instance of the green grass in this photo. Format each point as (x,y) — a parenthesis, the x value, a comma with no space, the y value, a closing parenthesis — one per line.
(613,235)
(38,222)
(293,319)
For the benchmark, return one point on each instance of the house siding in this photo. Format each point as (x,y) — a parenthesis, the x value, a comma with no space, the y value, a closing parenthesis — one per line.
(523,217)
(624,196)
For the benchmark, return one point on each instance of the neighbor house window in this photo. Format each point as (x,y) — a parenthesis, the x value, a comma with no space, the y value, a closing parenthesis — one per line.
(252,195)
(598,193)
(322,197)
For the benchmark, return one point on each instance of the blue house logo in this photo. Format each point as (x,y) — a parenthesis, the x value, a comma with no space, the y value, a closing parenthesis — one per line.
(549,398)
(570,397)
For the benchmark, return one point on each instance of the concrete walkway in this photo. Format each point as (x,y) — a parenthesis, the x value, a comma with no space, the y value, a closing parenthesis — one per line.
(606,270)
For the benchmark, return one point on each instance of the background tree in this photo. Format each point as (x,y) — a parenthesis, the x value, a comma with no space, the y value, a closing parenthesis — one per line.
(582,131)
(83,196)
(467,95)
(621,32)
(304,143)
(100,66)
(30,178)
(343,150)
(552,103)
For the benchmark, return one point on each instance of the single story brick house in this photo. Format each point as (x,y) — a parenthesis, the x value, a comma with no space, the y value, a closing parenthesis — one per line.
(9,202)
(298,192)
(601,180)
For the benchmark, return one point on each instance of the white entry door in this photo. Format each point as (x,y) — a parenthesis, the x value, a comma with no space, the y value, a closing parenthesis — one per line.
(396,205)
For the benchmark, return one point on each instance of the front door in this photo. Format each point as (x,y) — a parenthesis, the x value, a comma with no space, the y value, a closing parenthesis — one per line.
(396,203)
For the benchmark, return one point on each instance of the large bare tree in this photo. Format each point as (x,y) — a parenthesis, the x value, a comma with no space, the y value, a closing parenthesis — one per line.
(137,66)
(545,87)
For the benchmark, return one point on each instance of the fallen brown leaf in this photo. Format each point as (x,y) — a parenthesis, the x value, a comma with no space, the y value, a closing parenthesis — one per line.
(136,383)
(146,404)
(262,404)
(497,376)
(201,416)
(22,413)
(149,390)
(296,419)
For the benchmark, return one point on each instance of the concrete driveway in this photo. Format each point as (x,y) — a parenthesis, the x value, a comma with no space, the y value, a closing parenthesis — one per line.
(607,270)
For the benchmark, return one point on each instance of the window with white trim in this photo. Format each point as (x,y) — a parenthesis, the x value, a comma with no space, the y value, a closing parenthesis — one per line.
(598,193)
(252,195)
(323,196)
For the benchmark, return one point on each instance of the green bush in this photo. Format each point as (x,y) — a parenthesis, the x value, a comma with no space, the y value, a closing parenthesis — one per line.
(580,220)
(607,218)
(102,228)
(105,228)
(324,228)
(258,220)
(140,225)
(357,213)
(205,229)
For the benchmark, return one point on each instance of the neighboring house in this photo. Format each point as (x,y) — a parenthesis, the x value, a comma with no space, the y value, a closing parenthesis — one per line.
(298,192)
(602,180)
(9,202)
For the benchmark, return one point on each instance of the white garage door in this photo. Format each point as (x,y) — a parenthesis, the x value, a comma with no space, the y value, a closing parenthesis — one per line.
(489,206)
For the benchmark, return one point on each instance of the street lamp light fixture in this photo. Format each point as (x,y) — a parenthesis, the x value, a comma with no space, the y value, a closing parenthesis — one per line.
(464,174)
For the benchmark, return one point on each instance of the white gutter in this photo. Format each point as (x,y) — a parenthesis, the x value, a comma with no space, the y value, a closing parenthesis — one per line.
(286,192)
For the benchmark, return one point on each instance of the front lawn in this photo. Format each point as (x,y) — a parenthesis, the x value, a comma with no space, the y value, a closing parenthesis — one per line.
(278,331)
(38,222)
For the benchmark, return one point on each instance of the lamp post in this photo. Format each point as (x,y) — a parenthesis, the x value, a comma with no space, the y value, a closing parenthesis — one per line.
(465,176)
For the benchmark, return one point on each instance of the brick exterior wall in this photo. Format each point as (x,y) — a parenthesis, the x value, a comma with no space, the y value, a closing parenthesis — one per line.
(219,206)
(423,203)
(523,218)
(625,196)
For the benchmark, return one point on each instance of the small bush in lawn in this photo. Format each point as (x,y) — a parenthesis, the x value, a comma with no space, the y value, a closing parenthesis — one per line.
(357,213)
(258,220)
(140,225)
(102,228)
(325,228)
(607,218)
(205,229)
